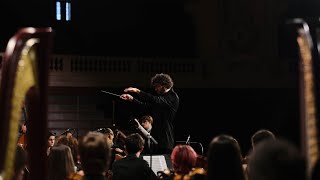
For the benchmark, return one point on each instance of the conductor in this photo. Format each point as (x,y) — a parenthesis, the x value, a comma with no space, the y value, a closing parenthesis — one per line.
(162,107)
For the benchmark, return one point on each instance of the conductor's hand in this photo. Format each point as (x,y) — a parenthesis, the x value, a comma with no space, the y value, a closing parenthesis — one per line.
(126,97)
(132,89)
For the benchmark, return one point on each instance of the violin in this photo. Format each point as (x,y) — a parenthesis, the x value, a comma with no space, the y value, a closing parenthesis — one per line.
(195,173)
(118,157)
(119,153)
(120,136)
(198,172)
(202,162)
(22,140)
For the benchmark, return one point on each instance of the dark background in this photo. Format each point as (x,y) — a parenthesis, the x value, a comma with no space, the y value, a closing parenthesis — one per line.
(205,113)
(166,28)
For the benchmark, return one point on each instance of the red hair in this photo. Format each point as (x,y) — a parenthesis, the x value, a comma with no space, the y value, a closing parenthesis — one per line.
(183,159)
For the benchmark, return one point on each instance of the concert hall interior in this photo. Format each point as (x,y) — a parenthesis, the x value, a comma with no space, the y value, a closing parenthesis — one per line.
(235,66)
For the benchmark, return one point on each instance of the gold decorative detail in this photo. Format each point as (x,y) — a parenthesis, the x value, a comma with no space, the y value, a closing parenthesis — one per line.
(309,104)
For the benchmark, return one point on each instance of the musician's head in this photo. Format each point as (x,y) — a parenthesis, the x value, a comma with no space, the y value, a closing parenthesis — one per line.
(146,122)
(225,158)
(109,134)
(261,135)
(109,131)
(161,83)
(183,159)
(95,153)
(71,142)
(134,143)
(51,137)
(60,162)
(69,132)
(277,160)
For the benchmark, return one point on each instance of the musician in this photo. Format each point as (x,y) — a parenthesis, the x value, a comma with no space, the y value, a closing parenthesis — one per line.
(73,144)
(23,128)
(258,137)
(132,166)
(162,107)
(20,163)
(184,161)
(95,155)
(51,139)
(117,152)
(146,122)
(22,137)
(69,132)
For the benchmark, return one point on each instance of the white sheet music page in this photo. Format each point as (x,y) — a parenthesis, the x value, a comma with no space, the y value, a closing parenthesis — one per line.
(158,163)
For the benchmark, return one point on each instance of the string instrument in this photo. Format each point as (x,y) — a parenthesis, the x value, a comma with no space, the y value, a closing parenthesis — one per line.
(202,162)
(195,173)
(22,139)
(200,170)
(119,156)
(308,105)
(24,72)
(119,138)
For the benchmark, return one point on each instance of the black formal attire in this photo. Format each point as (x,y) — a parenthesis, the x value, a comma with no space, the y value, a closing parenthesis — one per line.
(133,168)
(94,177)
(147,150)
(114,153)
(163,109)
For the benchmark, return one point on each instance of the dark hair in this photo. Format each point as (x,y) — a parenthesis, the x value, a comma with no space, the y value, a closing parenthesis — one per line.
(134,143)
(50,133)
(95,153)
(225,159)
(277,160)
(162,79)
(109,131)
(260,136)
(146,118)
(60,162)
(105,131)
(71,142)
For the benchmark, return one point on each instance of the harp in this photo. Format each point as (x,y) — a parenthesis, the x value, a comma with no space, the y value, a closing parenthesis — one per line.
(308,94)
(24,77)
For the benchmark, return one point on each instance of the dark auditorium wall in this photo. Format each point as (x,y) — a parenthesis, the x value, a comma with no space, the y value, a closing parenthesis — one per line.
(15,14)
(207,112)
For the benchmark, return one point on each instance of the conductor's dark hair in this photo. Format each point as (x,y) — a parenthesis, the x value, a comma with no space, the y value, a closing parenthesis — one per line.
(162,79)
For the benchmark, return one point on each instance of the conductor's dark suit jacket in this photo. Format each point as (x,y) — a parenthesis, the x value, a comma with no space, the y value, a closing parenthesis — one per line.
(163,109)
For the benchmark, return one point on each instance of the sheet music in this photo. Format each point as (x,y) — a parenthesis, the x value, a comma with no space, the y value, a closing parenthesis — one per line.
(158,163)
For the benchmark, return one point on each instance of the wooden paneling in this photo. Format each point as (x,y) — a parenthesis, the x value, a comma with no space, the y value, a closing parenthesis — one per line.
(75,108)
